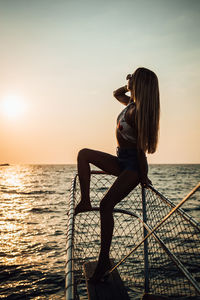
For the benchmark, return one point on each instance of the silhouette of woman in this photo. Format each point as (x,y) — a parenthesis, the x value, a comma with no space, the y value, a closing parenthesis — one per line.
(136,133)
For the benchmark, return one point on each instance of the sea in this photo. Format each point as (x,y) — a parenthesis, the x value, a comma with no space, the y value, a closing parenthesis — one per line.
(33,222)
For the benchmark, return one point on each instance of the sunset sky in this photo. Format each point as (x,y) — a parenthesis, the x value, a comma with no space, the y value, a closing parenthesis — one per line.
(60,61)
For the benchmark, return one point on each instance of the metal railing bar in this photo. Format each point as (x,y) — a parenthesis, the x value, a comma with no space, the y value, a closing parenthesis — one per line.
(117,210)
(146,261)
(69,270)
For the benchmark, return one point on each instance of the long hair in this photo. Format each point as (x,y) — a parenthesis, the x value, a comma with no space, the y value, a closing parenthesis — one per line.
(146,95)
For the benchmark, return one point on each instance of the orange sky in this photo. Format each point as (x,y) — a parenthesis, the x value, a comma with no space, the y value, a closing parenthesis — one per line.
(61,60)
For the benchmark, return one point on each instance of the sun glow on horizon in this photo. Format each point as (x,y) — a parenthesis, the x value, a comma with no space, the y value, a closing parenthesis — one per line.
(13,106)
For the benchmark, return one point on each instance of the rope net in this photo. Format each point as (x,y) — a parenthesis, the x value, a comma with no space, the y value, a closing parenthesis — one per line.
(179,234)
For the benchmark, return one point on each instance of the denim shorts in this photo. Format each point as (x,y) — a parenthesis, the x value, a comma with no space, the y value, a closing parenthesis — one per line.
(127,159)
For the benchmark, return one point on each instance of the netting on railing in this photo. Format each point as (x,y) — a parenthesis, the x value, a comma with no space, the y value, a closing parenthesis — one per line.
(180,236)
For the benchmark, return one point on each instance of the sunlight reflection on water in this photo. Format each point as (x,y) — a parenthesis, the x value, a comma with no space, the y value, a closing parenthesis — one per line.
(33,228)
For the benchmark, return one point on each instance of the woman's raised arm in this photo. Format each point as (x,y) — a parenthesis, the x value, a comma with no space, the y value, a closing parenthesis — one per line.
(120,95)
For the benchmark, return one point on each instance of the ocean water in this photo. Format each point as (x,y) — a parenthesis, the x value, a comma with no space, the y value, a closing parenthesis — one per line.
(33,223)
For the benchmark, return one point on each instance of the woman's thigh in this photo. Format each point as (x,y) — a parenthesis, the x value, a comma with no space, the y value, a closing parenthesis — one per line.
(106,162)
(122,186)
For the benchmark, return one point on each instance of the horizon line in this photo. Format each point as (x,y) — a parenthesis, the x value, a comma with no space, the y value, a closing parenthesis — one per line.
(70,163)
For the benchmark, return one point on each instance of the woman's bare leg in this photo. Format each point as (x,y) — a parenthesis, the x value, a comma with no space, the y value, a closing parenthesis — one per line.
(104,161)
(123,185)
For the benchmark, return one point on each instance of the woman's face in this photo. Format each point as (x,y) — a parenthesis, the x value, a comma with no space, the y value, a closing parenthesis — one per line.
(129,77)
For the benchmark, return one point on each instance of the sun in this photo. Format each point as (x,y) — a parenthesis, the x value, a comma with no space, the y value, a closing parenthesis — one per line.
(13,106)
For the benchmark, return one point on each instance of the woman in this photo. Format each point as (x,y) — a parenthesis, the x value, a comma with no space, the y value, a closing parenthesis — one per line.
(137,133)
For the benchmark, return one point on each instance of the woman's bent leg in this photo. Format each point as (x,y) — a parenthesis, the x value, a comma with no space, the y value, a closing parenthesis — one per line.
(104,161)
(123,185)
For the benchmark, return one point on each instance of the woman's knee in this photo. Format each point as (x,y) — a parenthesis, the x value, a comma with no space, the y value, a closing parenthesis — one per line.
(82,154)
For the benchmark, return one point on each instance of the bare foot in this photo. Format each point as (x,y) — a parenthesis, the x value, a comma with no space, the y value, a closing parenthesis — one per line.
(100,272)
(81,207)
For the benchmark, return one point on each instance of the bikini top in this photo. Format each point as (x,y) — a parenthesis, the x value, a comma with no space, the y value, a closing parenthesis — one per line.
(126,131)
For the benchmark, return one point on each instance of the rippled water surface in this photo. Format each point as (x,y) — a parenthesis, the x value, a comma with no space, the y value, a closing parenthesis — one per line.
(33,223)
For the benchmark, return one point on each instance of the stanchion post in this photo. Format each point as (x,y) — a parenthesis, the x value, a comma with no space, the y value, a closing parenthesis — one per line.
(146,262)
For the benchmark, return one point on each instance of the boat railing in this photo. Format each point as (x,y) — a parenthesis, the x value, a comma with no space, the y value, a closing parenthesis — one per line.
(153,254)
